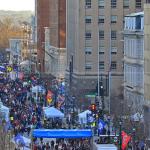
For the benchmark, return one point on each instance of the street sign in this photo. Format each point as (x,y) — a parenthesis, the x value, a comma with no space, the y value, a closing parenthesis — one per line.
(90,95)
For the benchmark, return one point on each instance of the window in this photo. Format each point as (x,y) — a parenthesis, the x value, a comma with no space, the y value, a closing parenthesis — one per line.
(88,66)
(113,19)
(113,35)
(101,50)
(114,50)
(101,65)
(88,50)
(87,3)
(88,35)
(88,19)
(126,4)
(113,3)
(138,3)
(101,35)
(101,19)
(113,65)
(101,3)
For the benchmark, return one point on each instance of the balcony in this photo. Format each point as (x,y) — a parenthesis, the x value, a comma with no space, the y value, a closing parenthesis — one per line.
(132,60)
(134,22)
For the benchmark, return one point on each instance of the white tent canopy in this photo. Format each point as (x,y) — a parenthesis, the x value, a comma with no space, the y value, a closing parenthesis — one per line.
(27,62)
(5,112)
(51,112)
(38,89)
(26,141)
(137,117)
(83,116)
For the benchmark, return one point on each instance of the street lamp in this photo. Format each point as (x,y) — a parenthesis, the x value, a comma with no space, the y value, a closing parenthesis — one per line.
(39,66)
(120,135)
(133,138)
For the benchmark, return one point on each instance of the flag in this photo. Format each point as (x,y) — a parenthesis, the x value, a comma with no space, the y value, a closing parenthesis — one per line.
(90,118)
(19,140)
(125,140)
(60,100)
(49,96)
(2,68)
(101,126)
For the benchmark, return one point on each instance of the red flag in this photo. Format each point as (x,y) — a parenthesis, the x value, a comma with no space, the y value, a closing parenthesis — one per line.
(49,96)
(125,140)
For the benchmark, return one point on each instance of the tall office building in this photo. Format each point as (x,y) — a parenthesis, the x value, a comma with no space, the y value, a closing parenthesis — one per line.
(134,62)
(147,70)
(95,44)
(51,14)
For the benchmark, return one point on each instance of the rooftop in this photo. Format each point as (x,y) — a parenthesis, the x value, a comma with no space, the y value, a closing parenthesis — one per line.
(135,14)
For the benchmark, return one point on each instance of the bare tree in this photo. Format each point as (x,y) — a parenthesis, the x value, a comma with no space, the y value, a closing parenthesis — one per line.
(8,30)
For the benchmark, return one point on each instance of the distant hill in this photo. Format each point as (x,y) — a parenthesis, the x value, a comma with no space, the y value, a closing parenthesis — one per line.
(17,16)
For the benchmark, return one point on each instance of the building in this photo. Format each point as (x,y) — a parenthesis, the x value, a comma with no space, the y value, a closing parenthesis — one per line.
(134,61)
(51,14)
(15,47)
(147,69)
(94,42)
(55,58)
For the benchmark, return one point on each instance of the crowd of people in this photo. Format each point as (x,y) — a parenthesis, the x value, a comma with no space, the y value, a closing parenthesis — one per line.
(24,112)
(62,144)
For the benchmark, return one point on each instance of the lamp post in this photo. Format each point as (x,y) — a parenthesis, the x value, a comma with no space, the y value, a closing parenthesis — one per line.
(73,101)
(120,136)
(39,66)
(133,138)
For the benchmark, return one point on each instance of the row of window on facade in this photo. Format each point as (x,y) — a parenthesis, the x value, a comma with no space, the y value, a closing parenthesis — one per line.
(134,100)
(134,23)
(88,50)
(101,3)
(134,47)
(133,75)
(88,35)
(88,65)
(101,19)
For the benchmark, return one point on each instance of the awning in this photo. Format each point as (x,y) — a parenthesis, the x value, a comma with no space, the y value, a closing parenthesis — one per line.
(51,112)
(27,62)
(62,133)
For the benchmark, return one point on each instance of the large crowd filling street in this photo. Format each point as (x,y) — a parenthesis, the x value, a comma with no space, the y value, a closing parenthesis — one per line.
(28,111)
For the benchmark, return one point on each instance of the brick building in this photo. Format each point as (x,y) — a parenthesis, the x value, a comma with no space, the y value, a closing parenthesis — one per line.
(52,14)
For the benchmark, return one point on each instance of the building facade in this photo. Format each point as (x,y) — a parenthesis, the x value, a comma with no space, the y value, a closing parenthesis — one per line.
(94,43)
(134,61)
(147,70)
(52,14)
(55,58)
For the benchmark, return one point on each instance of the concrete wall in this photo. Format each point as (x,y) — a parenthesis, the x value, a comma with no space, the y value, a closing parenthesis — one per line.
(76,43)
(147,70)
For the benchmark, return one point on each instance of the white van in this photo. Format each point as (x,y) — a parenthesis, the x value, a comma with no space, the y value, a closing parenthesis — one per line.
(104,147)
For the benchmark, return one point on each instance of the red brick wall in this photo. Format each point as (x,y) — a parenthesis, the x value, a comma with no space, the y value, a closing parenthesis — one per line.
(62,23)
(42,21)
(50,13)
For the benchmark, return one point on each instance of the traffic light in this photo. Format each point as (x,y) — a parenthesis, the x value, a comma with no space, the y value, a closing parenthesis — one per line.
(93,107)
(101,89)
